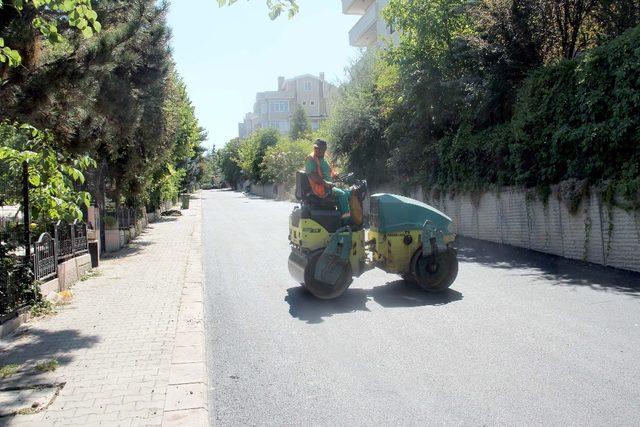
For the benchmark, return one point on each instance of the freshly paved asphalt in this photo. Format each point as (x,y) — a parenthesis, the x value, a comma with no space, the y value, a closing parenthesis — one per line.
(521,338)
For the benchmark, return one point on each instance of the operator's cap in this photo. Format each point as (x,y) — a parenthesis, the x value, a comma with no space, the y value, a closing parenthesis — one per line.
(321,143)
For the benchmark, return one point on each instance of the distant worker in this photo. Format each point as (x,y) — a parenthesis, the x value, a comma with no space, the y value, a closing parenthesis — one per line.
(321,178)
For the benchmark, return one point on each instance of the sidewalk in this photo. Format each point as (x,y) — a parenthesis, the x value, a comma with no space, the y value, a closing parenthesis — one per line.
(130,345)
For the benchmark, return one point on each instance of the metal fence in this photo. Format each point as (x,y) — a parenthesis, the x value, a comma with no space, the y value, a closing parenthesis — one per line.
(64,240)
(71,239)
(80,241)
(126,217)
(45,259)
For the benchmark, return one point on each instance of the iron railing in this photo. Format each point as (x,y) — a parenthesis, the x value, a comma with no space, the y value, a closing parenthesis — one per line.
(45,259)
(71,239)
(80,241)
(126,217)
(64,240)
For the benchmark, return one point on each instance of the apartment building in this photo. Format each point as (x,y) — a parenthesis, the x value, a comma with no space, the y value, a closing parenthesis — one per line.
(274,108)
(371,29)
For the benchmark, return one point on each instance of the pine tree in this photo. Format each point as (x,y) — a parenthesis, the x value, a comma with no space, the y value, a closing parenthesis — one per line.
(300,125)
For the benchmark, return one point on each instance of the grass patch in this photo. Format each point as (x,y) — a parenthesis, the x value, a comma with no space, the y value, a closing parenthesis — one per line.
(48,366)
(90,275)
(8,370)
(42,308)
(27,411)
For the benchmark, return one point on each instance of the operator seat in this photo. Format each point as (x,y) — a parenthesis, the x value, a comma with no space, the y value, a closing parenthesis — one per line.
(322,210)
(305,194)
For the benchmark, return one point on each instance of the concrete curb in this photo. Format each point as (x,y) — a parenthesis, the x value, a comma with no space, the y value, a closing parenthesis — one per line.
(22,316)
(186,400)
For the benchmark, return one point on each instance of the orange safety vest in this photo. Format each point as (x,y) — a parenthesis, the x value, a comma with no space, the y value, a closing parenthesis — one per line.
(318,189)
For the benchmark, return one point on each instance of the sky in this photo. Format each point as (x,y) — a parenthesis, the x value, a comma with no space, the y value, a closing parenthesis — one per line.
(226,55)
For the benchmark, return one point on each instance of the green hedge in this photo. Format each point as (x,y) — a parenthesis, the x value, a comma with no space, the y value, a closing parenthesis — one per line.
(576,120)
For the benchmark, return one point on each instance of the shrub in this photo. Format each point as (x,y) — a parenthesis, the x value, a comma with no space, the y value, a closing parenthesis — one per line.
(282,160)
(581,119)
(578,120)
(17,287)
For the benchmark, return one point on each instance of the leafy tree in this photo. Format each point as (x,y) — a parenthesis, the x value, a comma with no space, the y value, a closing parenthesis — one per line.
(300,124)
(281,161)
(355,128)
(226,162)
(185,133)
(116,88)
(276,7)
(22,22)
(211,175)
(246,158)
(53,176)
(496,92)
(251,152)
(617,16)
(428,79)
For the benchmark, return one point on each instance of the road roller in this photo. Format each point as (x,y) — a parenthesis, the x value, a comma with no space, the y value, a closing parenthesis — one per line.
(401,236)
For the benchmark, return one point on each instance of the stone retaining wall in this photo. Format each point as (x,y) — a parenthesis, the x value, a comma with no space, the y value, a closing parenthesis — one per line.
(595,233)
(269,191)
(69,273)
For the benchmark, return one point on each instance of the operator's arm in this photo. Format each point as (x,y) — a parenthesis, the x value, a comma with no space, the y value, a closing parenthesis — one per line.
(312,173)
(335,174)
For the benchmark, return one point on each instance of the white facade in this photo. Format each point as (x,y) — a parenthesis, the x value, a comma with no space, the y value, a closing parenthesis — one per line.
(273,109)
(371,29)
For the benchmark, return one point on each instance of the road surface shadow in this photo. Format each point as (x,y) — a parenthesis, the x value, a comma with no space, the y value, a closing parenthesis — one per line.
(402,294)
(560,271)
(306,307)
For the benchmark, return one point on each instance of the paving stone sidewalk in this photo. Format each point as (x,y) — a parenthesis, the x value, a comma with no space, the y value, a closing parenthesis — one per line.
(130,345)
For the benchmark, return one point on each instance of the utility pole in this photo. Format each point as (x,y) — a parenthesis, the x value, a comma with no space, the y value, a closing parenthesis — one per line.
(25,207)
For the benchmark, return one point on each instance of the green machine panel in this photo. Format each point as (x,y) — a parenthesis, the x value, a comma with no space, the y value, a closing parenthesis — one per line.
(391,213)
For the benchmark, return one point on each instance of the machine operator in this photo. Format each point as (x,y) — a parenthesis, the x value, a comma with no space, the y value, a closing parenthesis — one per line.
(321,178)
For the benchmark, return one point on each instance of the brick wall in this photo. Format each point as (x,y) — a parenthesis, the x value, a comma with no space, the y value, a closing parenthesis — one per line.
(594,233)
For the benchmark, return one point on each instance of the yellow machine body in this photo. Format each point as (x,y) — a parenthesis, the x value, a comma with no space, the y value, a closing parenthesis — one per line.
(309,236)
(393,252)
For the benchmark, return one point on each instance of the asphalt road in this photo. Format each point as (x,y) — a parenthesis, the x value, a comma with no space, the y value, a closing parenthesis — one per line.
(521,338)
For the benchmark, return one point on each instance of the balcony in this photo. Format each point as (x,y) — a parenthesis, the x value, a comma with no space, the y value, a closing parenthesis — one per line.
(365,32)
(356,7)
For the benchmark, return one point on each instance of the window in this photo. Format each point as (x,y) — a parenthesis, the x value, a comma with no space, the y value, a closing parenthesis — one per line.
(307,86)
(315,125)
(304,102)
(263,107)
(279,106)
(313,102)
(282,126)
